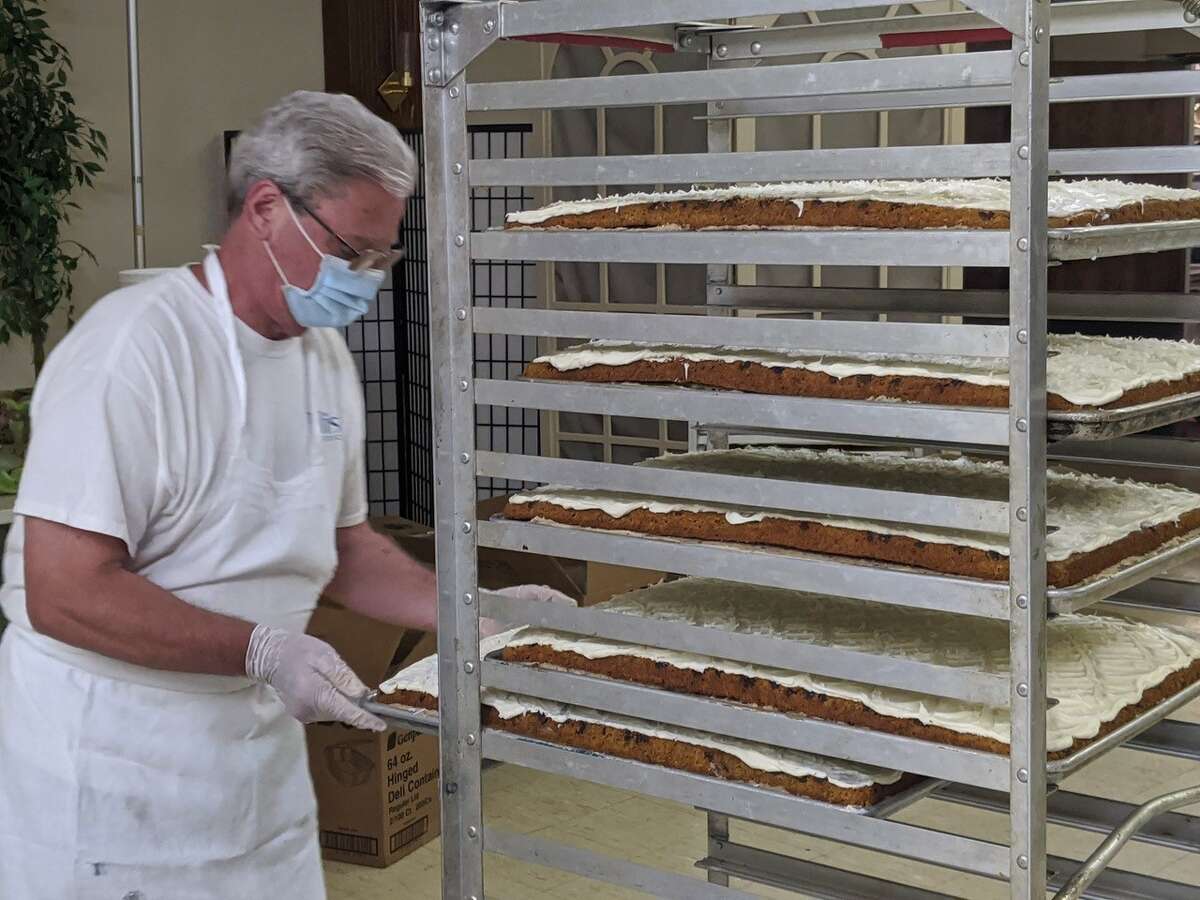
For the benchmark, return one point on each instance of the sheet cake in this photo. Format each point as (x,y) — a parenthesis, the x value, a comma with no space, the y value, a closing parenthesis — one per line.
(1095,522)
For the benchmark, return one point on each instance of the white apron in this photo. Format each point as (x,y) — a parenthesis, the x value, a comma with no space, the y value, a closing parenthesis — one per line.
(132,786)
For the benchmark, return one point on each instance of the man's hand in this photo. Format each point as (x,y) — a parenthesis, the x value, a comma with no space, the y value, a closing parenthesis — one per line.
(313,682)
(537,592)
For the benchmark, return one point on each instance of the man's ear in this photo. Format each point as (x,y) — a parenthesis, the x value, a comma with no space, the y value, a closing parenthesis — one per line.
(262,208)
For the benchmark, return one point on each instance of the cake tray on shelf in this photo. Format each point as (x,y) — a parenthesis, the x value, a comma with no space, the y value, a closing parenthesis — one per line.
(1096,241)
(427,720)
(1106,424)
(1068,765)
(1095,589)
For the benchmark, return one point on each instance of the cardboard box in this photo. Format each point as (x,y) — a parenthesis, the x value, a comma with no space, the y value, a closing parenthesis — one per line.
(378,794)
(605,581)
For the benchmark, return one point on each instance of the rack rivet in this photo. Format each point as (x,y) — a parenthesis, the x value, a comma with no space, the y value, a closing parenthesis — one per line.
(1022,336)
(1023,59)
(451,787)
(464,457)
(1022,244)
(472,831)
(489,26)
(1022,514)
(470,740)
(462,385)
(435,74)
(461,315)
(719,291)
(468,599)
(1023,152)
(468,667)
(1022,691)
(1023,776)
(1022,601)
(438,18)
(456,168)
(1022,862)
(687,40)
(722,50)
(454,28)
(1022,425)
(453,93)
(466,527)
(432,42)
(1190,17)
(755,48)
(459,240)
(1039,33)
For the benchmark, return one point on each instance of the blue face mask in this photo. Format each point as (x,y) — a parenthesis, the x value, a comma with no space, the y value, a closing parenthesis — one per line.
(338,296)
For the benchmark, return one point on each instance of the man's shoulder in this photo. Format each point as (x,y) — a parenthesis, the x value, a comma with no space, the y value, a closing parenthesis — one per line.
(140,328)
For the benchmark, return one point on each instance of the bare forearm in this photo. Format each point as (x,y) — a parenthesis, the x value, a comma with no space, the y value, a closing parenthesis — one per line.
(378,579)
(126,617)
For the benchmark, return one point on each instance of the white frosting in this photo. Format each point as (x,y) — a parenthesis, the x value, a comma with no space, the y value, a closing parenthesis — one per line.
(1096,665)
(1086,512)
(1066,198)
(1085,370)
(422,677)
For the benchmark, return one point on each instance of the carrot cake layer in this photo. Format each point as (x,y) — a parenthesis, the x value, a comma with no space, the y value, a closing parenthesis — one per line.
(800,774)
(1082,372)
(934,203)
(1094,523)
(1101,670)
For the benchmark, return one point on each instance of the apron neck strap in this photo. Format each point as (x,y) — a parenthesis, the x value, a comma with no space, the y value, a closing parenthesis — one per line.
(219,288)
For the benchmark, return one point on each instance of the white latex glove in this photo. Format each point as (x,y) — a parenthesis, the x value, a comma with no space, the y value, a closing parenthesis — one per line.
(313,682)
(539,592)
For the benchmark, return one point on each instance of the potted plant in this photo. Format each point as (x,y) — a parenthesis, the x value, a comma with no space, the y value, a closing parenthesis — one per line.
(46,151)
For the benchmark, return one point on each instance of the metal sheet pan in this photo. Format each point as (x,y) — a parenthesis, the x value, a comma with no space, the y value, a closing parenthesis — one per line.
(1061,768)
(1095,241)
(423,720)
(1124,575)
(427,721)
(1105,424)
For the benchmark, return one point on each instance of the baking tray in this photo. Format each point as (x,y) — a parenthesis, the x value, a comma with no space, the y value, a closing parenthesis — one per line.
(1095,241)
(1060,769)
(1059,600)
(427,720)
(1124,575)
(424,720)
(1104,424)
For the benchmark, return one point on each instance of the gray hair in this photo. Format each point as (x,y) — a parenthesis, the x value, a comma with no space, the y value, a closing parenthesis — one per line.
(309,143)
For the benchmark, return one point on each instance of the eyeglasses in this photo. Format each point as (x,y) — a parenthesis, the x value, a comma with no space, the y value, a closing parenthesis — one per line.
(359,259)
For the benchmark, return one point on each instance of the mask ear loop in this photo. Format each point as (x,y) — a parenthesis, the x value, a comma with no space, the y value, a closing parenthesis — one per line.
(317,250)
(271,253)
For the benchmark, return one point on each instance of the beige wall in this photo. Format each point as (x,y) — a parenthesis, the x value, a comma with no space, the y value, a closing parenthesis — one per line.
(206,67)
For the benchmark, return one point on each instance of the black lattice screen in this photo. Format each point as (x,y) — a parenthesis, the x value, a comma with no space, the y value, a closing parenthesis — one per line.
(505,284)
(391,347)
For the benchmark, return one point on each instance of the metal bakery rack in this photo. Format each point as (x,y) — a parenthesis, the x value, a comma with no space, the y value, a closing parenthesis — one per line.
(733,86)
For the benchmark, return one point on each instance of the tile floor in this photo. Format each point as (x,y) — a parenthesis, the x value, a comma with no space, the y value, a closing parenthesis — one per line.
(669,836)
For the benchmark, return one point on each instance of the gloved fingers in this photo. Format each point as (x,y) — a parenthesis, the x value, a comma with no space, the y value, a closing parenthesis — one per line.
(489,627)
(333,705)
(340,675)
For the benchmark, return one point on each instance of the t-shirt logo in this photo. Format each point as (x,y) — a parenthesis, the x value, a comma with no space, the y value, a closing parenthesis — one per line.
(330,426)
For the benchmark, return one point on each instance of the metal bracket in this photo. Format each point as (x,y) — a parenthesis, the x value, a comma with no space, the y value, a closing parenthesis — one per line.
(454,34)
(690,39)
(1007,13)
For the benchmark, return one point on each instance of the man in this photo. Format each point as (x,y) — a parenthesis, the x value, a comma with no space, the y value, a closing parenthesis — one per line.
(195,480)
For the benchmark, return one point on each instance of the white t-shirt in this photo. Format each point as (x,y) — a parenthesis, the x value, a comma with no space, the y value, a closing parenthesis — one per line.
(136,434)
